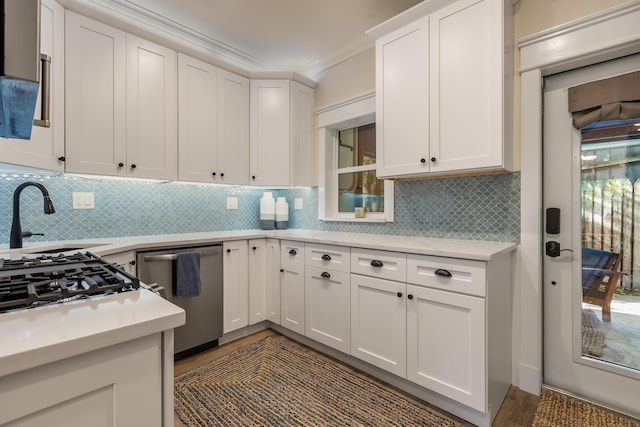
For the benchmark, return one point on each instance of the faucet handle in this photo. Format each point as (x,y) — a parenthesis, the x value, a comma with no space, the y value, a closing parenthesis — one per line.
(30,234)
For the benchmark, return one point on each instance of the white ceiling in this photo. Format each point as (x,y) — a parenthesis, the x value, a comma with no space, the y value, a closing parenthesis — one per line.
(304,36)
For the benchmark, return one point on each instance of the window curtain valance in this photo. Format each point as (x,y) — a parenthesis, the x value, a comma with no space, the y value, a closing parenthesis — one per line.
(616,98)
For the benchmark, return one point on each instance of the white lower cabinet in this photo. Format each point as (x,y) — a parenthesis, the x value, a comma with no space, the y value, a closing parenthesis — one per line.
(327,307)
(257,281)
(235,285)
(273,280)
(446,344)
(292,297)
(378,323)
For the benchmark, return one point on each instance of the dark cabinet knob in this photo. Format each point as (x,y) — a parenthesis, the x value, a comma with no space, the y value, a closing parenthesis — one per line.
(325,275)
(228,251)
(253,177)
(213,174)
(254,248)
(376,263)
(399,294)
(423,160)
(133,166)
(410,296)
(282,270)
(443,273)
(120,164)
(293,252)
(132,262)
(433,159)
(62,158)
(222,175)
(326,257)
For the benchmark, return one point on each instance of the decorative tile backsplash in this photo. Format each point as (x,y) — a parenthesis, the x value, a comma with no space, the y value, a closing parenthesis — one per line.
(478,208)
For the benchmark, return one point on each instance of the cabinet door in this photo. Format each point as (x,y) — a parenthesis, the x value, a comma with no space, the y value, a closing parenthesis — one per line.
(302,128)
(46,146)
(233,128)
(197,133)
(152,117)
(273,280)
(257,281)
(269,136)
(292,297)
(235,285)
(95,97)
(378,323)
(327,297)
(446,344)
(402,101)
(467,85)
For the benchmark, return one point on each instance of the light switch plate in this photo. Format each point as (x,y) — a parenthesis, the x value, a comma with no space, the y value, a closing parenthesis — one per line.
(232,203)
(83,200)
(298,203)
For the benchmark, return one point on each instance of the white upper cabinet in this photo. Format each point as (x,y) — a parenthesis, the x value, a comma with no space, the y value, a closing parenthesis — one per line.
(213,123)
(233,128)
(281,123)
(402,101)
(444,92)
(45,149)
(152,116)
(197,124)
(95,97)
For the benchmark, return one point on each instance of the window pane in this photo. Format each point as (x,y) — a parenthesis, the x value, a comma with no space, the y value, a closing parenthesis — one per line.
(357,146)
(360,189)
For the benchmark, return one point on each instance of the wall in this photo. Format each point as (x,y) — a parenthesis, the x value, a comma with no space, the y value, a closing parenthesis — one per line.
(430,208)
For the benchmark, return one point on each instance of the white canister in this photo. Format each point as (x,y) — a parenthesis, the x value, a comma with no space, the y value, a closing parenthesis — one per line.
(282,213)
(267,211)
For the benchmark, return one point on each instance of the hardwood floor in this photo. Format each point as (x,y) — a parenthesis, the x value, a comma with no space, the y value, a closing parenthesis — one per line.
(518,408)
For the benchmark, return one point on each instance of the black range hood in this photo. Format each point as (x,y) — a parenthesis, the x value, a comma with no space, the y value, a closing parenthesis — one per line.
(20,68)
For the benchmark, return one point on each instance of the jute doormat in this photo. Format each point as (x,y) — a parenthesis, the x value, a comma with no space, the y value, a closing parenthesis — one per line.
(592,338)
(276,381)
(556,410)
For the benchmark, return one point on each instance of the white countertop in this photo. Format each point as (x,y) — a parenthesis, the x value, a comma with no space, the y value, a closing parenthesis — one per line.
(464,249)
(37,336)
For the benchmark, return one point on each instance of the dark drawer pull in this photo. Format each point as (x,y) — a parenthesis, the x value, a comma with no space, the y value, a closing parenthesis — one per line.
(410,296)
(399,294)
(293,252)
(326,257)
(442,273)
(376,263)
(228,251)
(282,270)
(325,275)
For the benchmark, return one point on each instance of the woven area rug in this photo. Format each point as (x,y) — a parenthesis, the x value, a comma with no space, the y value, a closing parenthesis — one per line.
(556,409)
(592,337)
(277,382)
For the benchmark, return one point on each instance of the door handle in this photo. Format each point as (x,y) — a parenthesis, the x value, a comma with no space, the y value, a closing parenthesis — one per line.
(552,249)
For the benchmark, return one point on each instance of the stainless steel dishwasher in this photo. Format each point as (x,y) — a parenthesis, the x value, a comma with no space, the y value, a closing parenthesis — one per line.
(204,312)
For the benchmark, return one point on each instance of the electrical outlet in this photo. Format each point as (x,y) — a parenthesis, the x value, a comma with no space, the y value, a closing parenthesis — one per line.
(298,203)
(232,203)
(83,200)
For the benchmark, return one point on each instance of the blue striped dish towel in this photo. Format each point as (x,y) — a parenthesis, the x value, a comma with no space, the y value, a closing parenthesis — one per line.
(187,275)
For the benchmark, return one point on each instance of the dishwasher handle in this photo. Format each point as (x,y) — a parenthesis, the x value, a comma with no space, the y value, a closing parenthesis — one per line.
(173,257)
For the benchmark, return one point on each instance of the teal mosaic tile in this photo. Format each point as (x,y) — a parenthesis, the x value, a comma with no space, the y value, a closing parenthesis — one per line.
(478,208)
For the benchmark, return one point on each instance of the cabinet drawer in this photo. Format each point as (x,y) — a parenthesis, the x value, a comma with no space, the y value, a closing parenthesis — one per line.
(335,258)
(291,251)
(457,275)
(382,264)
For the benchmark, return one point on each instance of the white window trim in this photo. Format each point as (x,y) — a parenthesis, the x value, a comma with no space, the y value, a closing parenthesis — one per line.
(351,113)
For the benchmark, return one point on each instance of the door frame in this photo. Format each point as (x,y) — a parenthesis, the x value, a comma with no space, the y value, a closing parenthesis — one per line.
(575,44)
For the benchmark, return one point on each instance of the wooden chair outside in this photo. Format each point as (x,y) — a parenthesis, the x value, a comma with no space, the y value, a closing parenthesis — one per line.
(599,278)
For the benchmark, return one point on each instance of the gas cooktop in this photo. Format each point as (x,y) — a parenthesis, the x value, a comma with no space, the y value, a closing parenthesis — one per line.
(33,281)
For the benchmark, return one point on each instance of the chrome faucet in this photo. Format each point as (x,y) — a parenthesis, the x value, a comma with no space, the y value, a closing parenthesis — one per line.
(15,240)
